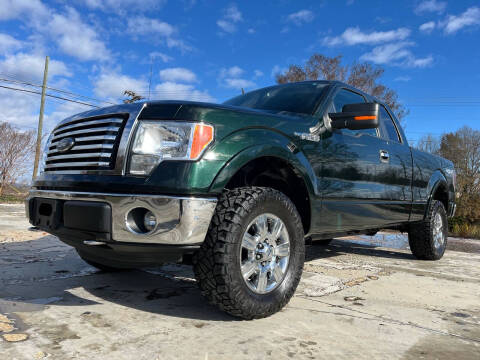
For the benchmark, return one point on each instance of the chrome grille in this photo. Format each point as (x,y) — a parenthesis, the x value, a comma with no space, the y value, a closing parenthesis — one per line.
(94,146)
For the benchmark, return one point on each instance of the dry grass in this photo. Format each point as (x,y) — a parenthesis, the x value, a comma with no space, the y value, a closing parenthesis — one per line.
(465,230)
(12,198)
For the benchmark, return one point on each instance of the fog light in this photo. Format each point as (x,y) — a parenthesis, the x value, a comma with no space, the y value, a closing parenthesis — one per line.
(150,221)
(140,221)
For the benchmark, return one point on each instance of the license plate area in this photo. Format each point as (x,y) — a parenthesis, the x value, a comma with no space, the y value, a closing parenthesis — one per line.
(47,213)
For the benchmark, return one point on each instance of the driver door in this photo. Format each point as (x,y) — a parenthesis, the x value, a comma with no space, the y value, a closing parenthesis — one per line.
(352,192)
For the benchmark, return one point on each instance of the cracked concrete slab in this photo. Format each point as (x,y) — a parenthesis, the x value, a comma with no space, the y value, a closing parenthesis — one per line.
(359,298)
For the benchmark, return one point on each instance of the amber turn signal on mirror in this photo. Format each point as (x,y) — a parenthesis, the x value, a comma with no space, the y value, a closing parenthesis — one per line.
(364,117)
(356,117)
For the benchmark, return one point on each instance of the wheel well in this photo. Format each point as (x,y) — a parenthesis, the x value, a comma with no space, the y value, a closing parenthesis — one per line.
(441,194)
(279,175)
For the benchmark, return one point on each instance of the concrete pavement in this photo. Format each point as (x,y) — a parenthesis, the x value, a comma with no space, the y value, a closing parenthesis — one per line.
(356,300)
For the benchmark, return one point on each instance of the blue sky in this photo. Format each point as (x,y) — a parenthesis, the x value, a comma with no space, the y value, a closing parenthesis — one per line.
(208,50)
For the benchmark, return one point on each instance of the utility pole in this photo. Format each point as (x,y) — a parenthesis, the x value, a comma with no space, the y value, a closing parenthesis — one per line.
(40,120)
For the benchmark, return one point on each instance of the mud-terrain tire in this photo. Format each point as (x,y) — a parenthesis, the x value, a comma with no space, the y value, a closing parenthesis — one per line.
(428,239)
(218,265)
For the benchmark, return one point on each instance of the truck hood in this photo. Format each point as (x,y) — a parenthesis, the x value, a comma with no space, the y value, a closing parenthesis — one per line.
(228,118)
(190,110)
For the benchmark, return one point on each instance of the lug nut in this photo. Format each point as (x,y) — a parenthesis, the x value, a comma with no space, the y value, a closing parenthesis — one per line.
(260,246)
(258,257)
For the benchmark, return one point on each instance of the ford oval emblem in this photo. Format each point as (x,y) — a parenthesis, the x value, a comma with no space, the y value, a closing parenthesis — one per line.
(65,144)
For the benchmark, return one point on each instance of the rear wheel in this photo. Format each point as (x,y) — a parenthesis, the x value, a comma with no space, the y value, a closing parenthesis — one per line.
(252,258)
(428,239)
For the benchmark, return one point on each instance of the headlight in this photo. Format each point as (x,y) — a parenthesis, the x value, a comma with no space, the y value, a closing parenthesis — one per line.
(156,141)
(43,161)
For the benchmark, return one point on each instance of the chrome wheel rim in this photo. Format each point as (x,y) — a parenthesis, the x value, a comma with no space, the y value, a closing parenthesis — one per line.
(264,253)
(438,233)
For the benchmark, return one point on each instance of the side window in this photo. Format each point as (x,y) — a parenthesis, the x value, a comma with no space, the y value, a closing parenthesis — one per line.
(344,97)
(388,127)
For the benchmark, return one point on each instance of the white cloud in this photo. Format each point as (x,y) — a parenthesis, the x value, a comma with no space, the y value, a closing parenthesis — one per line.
(301,17)
(231,78)
(234,71)
(174,91)
(158,55)
(238,83)
(12,9)
(153,29)
(396,54)
(226,26)
(75,37)
(231,16)
(29,67)
(123,7)
(471,17)
(8,43)
(354,36)
(419,62)
(111,85)
(177,74)
(20,109)
(402,78)
(430,6)
(385,54)
(141,25)
(277,70)
(427,27)
(258,73)
(68,30)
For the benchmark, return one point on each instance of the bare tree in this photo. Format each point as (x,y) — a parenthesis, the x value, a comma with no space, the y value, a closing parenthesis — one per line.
(363,76)
(463,149)
(17,149)
(132,96)
(429,143)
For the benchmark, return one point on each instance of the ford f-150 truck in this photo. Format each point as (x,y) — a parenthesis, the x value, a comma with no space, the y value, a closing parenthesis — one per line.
(239,187)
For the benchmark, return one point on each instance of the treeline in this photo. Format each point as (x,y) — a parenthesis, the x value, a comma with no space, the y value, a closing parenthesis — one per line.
(17,151)
(462,147)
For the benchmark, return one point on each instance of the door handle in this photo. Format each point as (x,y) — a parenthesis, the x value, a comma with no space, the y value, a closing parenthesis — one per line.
(384,156)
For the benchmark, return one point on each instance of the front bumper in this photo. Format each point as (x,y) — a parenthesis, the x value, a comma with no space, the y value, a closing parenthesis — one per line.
(103,216)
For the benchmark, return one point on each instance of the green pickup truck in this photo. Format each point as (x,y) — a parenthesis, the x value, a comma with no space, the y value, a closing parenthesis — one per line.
(238,188)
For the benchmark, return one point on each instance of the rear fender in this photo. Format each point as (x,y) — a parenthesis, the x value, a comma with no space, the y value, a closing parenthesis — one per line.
(436,180)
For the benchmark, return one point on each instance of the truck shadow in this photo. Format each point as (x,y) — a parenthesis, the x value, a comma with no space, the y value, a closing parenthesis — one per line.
(54,274)
(342,247)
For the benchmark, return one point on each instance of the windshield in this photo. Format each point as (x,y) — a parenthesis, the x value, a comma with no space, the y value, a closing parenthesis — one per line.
(299,98)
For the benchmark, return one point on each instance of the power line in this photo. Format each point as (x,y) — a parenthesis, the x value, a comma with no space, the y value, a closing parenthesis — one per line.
(30,80)
(56,90)
(49,95)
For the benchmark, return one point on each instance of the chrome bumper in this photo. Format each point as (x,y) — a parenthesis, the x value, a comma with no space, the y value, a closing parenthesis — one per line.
(180,220)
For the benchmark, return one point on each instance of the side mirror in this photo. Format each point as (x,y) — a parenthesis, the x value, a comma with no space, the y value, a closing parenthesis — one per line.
(356,117)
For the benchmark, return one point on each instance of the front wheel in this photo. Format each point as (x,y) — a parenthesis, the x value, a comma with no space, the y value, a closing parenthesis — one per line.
(428,239)
(252,258)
